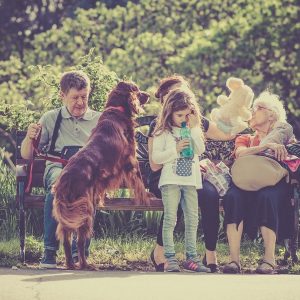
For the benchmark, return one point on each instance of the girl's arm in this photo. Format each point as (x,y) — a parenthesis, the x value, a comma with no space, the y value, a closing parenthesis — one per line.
(154,167)
(198,143)
(161,154)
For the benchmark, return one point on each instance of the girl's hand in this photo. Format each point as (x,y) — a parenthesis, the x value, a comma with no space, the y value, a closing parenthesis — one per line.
(182,144)
(193,120)
(33,131)
(280,151)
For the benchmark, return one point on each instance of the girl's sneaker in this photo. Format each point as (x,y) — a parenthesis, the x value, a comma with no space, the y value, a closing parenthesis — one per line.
(195,265)
(172,265)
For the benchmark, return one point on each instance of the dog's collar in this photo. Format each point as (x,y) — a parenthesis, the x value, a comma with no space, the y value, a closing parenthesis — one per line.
(119,108)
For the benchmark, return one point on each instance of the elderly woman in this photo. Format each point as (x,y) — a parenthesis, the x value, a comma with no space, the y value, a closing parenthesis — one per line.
(208,196)
(269,208)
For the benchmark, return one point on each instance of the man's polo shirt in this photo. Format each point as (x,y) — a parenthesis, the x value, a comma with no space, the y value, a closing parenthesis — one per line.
(72,131)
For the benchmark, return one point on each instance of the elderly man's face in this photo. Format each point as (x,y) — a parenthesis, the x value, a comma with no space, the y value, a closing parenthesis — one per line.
(76,101)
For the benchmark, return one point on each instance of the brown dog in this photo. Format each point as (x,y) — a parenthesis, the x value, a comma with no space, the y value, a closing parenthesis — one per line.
(106,162)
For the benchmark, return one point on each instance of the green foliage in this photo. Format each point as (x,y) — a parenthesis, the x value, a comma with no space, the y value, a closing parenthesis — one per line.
(41,91)
(132,253)
(205,41)
(8,207)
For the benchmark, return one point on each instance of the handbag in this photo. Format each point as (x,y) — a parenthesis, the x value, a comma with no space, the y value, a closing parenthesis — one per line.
(217,174)
(254,172)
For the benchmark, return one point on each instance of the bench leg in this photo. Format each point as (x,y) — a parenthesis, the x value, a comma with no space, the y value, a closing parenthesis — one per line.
(22,224)
(291,245)
(294,240)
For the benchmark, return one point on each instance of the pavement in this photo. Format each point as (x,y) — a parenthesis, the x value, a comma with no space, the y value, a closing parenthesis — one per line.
(23,284)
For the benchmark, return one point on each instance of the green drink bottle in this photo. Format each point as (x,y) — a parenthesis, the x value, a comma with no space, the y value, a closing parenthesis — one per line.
(185,133)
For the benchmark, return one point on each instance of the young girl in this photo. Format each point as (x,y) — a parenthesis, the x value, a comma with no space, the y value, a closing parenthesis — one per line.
(175,184)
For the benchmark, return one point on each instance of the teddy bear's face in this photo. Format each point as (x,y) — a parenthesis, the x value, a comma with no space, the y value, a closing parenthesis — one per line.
(242,97)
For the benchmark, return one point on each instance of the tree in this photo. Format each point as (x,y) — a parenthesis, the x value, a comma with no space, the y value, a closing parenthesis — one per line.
(45,93)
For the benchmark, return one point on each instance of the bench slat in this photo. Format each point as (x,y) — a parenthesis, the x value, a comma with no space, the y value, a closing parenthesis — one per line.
(37,201)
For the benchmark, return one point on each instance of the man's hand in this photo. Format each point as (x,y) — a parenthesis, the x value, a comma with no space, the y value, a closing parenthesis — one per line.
(33,131)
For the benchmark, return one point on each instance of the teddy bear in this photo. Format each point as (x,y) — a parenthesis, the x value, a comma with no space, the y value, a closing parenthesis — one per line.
(234,111)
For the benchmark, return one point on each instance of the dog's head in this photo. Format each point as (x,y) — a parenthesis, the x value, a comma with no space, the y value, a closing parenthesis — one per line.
(128,96)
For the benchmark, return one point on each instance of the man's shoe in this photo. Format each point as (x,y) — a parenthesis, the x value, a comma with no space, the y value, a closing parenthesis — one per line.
(48,261)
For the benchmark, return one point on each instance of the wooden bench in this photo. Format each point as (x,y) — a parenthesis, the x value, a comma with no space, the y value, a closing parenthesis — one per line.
(215,150)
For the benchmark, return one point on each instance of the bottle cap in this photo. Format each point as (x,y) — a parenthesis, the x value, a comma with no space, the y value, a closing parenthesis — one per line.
(183,124)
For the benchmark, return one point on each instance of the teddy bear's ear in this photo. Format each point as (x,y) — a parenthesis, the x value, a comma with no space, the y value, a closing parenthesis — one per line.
(234,83)
(222,99)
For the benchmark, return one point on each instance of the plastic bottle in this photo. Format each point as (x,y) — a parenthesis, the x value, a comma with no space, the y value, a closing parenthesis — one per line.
(185,133)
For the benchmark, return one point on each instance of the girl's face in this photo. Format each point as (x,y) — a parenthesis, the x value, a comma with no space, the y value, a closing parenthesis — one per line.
(180,116)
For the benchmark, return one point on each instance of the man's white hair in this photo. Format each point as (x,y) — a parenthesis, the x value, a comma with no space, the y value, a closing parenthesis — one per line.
(272,102)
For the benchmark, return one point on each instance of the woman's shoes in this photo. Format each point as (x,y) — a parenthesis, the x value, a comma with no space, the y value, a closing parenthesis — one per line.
(158,267)
(213,267)
(265,268)
(232,268)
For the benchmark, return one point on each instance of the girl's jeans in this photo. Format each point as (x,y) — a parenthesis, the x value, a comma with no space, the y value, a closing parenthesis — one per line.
(50,241)
(172,195)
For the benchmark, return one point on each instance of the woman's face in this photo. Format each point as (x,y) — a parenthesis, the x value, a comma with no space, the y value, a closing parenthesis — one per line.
(261,115)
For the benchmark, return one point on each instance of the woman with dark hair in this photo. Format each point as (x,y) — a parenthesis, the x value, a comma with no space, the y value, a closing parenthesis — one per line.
(208,196)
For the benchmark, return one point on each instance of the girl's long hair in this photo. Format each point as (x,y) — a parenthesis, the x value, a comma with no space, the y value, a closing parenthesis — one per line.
(176,100)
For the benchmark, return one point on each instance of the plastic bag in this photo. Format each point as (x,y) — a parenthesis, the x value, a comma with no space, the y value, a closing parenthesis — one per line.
(218,175)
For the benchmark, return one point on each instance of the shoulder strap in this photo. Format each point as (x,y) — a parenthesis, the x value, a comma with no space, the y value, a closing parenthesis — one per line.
(55,135)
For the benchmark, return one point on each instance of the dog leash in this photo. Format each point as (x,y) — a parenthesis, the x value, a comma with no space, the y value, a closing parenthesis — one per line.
(38,154)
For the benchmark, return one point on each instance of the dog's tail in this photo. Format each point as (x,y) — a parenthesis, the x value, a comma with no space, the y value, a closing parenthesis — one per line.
(134,182)
(73,215)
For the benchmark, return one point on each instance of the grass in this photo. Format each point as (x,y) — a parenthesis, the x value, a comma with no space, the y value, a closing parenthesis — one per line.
(131,253)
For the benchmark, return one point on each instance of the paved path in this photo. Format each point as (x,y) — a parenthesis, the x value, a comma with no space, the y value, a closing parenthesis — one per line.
(104,285)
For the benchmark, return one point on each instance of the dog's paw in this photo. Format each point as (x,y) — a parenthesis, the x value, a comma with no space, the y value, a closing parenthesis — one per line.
(71,266)
(88,267)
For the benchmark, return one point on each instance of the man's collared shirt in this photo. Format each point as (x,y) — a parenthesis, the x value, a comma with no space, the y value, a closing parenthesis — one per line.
(72,131)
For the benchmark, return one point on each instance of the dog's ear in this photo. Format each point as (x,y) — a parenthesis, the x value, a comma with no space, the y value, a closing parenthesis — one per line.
(144,98)
(134,104)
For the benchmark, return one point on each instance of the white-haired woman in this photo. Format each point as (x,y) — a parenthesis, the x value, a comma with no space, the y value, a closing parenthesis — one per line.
(268,208)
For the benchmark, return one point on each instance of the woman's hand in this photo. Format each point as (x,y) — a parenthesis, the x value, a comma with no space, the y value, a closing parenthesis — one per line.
(182,144)
(33,131)
(280,151)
